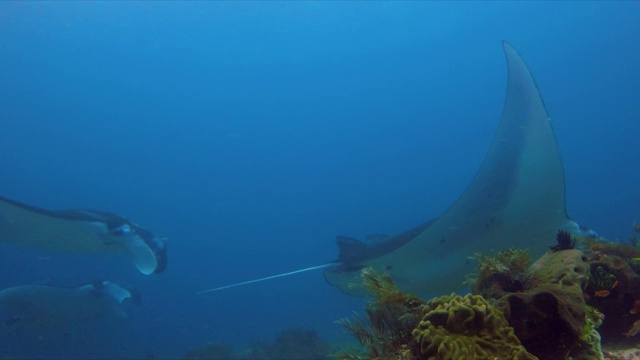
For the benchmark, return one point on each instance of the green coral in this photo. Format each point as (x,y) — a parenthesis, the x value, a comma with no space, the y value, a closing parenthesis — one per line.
(590,347)
(635,264)
(495,274)
(468,327)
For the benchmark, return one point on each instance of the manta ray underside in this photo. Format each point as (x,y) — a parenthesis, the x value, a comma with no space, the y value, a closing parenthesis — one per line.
(516,199)
(81,231)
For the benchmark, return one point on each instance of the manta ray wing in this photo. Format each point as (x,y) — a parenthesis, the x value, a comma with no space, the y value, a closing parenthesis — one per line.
(42,306)
(81,231)
(517,198)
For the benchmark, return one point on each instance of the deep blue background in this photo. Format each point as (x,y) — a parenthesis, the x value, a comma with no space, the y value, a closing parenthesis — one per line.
(251,134)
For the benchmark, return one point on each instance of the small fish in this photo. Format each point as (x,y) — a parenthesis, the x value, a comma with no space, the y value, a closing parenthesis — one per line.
(602,293)
(634,330)
(615,283)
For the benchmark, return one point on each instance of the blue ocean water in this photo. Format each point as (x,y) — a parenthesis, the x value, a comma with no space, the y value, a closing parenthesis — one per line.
(252,133)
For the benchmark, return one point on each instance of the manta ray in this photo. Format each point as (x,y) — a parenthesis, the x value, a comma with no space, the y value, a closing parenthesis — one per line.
(81,231)
(516,199)
(41,306)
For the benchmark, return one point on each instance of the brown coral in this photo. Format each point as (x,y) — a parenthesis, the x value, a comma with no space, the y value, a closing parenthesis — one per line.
(468,327)
(549,319)
(548,312)
(549,316)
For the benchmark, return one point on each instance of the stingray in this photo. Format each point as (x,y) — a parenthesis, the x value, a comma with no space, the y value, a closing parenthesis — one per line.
(81,231)
(36,307)
(516,199)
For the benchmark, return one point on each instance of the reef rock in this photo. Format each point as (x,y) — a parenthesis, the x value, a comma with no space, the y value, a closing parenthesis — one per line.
(567,268)
(549,314)
(549,319)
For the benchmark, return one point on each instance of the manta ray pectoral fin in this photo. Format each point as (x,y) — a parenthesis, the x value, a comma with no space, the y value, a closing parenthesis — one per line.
(148,257)
(115,291)
(517,198)
(149,252)
(81,231)
(119,294)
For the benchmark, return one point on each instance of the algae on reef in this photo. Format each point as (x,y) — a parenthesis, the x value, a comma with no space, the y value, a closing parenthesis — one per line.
(456,327)
(402,326)
(500,273)
(518,312)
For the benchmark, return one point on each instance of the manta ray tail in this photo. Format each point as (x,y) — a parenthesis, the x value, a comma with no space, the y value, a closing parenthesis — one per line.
(268,278)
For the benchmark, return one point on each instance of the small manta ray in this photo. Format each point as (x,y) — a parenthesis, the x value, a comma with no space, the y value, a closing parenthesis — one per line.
(81,231)
(36,307)
(517,198)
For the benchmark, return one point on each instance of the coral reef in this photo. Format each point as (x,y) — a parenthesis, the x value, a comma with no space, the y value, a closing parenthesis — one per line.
(450,327)
(565,242)
(391,318)
(548,320)
(294,343)
(499,274)
(546,309)
(468,327)
(601,247)
(563,306)
(621,354)
(614,288)
(568,268)
(211,351)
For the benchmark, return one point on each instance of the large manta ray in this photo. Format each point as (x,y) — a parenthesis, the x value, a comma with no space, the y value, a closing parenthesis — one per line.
(517,198)
(81,231)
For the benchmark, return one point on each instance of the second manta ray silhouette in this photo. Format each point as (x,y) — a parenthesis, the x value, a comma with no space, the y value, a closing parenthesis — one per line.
(517,198)
(38,307)
(81,231)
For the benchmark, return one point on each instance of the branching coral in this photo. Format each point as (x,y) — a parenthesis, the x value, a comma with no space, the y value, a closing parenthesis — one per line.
(392,316)
(500,273)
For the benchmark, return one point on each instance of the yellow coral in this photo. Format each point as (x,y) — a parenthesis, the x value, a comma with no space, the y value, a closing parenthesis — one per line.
(468,327)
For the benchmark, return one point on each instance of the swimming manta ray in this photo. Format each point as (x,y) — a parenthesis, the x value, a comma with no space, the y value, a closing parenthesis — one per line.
(81,231)
(41,306)
(517,198)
